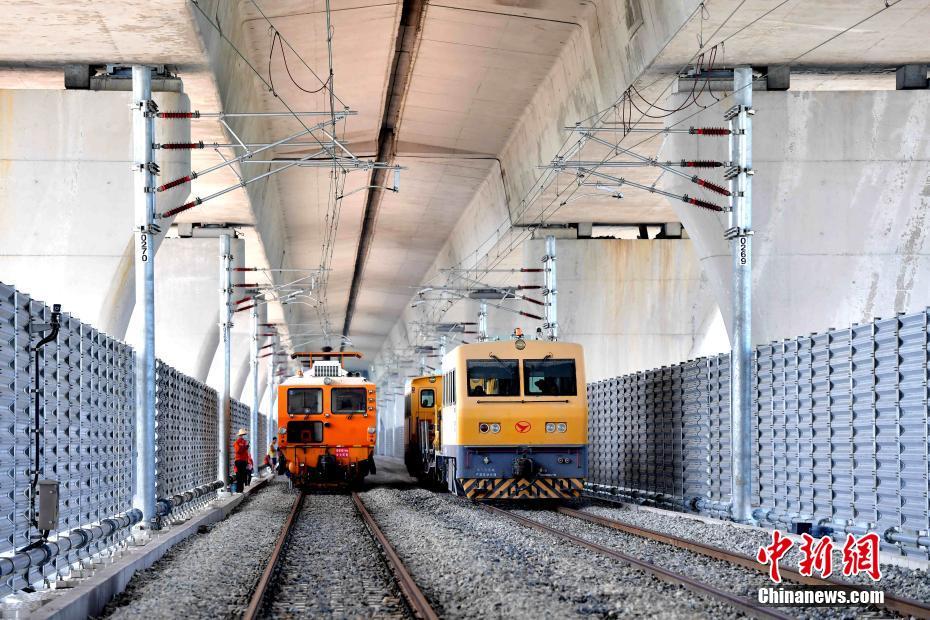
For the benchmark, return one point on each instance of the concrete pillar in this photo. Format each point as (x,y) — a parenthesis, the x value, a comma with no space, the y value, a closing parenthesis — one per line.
(840,210)
(188,306)
(68,153)
(632,304)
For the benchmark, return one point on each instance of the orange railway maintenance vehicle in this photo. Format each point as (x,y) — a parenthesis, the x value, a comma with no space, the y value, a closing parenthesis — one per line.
(327,422)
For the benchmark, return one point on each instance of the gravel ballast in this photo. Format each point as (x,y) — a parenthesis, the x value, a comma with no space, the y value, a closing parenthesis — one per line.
(210,575)
(722,575)
(911,583)
(331,567)
(471,563)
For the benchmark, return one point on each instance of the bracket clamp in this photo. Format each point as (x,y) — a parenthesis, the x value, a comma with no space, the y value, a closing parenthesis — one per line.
(150,229)
(736,232)
(736,110)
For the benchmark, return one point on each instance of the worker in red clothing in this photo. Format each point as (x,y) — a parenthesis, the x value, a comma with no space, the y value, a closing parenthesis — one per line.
(242,458)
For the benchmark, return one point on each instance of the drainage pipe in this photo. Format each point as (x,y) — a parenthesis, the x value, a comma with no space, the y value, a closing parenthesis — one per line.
(38,411)
(166,506)
(74,540)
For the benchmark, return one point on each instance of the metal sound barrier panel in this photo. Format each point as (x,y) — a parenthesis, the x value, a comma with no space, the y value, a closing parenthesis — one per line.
(185,429)
(86,401)
(85,397)
(840,427)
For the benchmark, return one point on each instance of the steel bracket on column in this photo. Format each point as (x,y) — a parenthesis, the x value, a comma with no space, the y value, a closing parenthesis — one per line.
(734,112)
(736,231)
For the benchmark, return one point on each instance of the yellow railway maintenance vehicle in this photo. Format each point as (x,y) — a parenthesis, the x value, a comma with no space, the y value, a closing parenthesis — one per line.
(513,421)
(327,421)
(422,402)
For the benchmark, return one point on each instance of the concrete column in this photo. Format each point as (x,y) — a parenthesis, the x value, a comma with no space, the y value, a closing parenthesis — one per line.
(840,210)
(70,155)
(632,304)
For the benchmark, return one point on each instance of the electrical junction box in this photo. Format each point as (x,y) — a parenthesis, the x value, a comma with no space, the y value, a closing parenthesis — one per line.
(48,505)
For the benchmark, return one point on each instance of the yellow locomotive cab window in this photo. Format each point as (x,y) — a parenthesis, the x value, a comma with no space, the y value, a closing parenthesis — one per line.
(304,401)
(349,400)
(549,377)
(494,377)
(427,399)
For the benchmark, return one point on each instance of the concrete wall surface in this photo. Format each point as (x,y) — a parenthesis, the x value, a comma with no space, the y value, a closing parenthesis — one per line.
(187,304)
(841,194)
(633,305)
(66,202)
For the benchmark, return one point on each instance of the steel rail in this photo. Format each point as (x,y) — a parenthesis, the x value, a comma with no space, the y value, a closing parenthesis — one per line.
(902,605)
(261,588)
(740,603)
(418,602)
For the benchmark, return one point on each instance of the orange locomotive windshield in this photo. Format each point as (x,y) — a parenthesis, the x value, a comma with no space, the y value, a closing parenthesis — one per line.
(327,415)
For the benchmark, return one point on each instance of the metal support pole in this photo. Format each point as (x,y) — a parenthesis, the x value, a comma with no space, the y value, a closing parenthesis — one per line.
(143,136)
(225,410)
(483,322)
(552,324)
(253,363)
(272,391)
(740,236)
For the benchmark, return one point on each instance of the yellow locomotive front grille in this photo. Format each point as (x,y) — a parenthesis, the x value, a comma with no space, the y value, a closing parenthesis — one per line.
(520,488)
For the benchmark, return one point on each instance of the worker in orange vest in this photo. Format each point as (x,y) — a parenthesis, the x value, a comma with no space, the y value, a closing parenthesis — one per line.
(242,458)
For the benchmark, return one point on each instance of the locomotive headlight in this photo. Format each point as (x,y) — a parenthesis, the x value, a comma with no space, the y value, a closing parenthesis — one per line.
(282,431)
(520,343)
(371,430)
(561,427)
(550,427)
(495,428)
(327,381)
(484,427)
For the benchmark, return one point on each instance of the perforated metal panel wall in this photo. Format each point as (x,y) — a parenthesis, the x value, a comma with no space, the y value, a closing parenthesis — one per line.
(185,427)
(85,392)
(841,430)
(87,408)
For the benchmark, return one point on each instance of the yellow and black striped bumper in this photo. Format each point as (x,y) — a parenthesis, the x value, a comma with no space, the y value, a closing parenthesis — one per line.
(522,488)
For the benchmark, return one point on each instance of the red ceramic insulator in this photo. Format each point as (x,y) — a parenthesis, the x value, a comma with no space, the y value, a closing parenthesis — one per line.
(719,189)
(709,131)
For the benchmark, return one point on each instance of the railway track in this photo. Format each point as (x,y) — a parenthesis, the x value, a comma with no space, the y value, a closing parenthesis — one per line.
(740,603)
(263,595)
(901,605)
